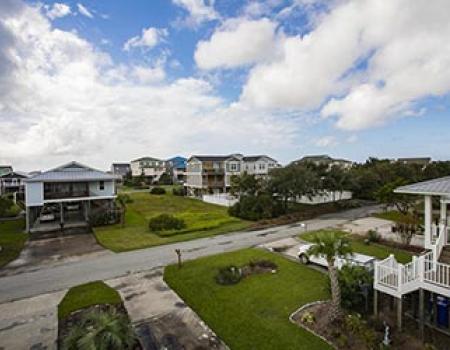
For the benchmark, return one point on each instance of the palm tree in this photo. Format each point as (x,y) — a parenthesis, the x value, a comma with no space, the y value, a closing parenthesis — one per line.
(101,330)
(331,245)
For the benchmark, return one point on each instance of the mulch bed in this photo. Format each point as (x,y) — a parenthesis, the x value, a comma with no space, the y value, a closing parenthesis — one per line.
(339,337)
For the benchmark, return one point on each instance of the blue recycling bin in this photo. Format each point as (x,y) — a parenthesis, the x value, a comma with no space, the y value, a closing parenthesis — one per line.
(442,311)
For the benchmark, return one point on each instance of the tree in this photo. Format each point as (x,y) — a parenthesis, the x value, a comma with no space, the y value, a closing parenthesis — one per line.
(336,179)
(387,196)
(101,330)
(331,246)
(123,199)
(5,205)
(246,184)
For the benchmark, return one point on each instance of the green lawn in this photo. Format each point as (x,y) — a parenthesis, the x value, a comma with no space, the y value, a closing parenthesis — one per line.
(202,220)
(12,240)
(85,295)
(392,215)
(253,314)
(377,250)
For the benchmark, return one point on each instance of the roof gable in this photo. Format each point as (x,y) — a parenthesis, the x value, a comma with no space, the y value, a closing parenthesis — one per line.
(439,187)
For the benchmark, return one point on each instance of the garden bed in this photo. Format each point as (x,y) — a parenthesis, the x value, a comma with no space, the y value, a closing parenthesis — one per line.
(353,332)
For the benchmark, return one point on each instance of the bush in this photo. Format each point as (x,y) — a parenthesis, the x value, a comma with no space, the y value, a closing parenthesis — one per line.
(6,204)
(166,222)
(308,318)
(351,279)
(373,237)
(158,190)
(179,191)
(251,207)
(229,275)
(264,264)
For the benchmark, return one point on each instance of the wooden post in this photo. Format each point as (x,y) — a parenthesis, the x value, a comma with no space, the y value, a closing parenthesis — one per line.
(421,314)
(428,211)
(178,251)
(399,313)
(375,303)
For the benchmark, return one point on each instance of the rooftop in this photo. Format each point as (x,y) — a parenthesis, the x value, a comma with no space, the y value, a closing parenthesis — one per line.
(437,187)
(71,172)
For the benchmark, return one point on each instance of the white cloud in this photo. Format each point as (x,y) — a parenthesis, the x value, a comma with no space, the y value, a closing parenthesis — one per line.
(326,141)
(84,10)
(237,42)
(376,58)
(149,38)
(58,10)
(199,11)
(68,100)
(149,75)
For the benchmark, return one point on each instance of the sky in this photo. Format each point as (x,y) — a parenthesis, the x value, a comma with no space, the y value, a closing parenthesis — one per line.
(108,81)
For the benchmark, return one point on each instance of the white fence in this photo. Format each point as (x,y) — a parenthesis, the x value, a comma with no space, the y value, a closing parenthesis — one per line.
(222,199)
(326,197)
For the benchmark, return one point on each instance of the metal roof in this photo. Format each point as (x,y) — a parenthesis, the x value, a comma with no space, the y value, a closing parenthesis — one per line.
(213,158)
(72,172)
(255,158)
(438,187)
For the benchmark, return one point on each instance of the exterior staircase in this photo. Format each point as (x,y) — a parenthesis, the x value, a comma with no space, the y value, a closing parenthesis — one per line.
(445,255)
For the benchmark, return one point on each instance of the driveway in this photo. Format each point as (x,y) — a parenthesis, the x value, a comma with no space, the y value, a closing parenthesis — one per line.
(46,252)
(30,323)
(108,266)
(161,319)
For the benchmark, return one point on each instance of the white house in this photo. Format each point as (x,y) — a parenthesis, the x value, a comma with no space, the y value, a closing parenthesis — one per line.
(427,277)
(150,168)
(66,196)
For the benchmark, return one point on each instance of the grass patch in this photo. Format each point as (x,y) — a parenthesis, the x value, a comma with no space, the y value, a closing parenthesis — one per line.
(202,220)
(253,314)
(392,215)
(86,295)
(12,240)
(377,250)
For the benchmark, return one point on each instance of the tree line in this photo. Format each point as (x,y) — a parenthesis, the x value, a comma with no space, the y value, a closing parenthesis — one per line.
(275,195)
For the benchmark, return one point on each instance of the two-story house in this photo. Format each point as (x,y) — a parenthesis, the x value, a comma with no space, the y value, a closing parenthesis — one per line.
(212,174)
(67,196)
(122,170)
(324,159)
(177,169)
(148,167)
(12,182)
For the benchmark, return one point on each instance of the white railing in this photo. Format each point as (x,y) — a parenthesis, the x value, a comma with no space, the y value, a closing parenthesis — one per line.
(440,242)
(436,272)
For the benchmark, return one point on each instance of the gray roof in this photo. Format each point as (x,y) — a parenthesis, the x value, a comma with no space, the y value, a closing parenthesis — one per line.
(257,157)
(207,158)
(72,172)
(147,159)
(438,187)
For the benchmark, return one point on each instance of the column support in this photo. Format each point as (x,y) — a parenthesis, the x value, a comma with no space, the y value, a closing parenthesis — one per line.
(421,314)
(428,211)
(399,313)
(375,302)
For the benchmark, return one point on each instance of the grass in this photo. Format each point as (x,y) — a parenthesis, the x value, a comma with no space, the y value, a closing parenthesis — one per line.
(253,314)
(377,250)
(202,220)
(85,295)
(12,240)
(392,215)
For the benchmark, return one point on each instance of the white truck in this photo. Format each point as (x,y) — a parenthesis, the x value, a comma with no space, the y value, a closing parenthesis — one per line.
(356,259)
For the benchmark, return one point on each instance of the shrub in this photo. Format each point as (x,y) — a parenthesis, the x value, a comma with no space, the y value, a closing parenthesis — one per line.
(165,222)
(251,207)
(308,318)
(5,205)
(179,191)
(265,264)
(373,236)
(158,190)
(229,275)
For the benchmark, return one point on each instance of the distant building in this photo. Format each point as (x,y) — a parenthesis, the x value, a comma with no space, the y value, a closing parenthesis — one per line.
(418,161)
(121,169)
(5,169)
(211,174)
(148,167)
(177,168)
(12,182)
(325,159)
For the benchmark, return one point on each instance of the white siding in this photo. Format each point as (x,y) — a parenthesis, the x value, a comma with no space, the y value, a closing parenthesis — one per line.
(34,194)
(109,188)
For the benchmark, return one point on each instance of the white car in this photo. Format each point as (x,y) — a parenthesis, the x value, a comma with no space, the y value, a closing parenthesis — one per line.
(356,259)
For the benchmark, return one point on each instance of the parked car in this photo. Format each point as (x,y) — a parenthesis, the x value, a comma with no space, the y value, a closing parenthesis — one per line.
(366,261)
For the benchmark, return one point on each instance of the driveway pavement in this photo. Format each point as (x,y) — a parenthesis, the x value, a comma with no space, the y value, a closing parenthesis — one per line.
(48,279)
(161,319)
(30,323)
(43,253)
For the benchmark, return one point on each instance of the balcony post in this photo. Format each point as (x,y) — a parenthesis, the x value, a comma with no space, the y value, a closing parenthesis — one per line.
(443,220)
(421,314)
(428,221)
(399,313)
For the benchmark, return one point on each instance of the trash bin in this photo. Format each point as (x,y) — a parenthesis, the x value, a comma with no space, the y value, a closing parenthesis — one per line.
(442,311)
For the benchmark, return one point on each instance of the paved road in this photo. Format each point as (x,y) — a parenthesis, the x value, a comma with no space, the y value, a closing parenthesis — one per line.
(49,279)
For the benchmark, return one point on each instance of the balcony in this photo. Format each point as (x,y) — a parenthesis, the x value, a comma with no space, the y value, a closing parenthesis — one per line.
(219,171)
(65,194)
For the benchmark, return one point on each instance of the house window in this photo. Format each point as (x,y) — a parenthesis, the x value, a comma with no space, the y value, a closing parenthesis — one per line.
(101,185)
(262,166)
(233,167)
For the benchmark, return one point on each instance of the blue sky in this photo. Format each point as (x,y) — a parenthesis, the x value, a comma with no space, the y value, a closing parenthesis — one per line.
(351,79)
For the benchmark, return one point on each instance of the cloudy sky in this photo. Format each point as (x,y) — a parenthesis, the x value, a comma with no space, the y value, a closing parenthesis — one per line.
(103,81)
